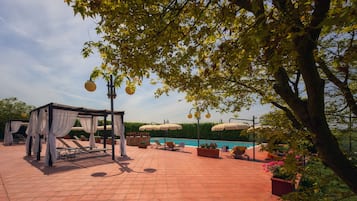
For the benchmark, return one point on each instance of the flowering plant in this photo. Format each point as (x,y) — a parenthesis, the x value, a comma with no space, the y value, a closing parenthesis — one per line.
(278,170)
(209,146)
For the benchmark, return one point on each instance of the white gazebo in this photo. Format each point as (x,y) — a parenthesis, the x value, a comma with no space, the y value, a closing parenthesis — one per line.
(56,120)
(11,127)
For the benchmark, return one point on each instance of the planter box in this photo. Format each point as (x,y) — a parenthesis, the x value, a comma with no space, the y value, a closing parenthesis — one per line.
(142,146)
(67,137)
(109,141)
(213,153)
(98,140)
(135,141)
(281,187)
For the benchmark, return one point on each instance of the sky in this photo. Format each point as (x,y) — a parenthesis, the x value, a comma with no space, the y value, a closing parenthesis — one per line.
(41,62)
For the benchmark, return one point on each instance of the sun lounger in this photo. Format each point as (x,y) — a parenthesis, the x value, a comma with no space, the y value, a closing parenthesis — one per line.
(171,146)
(157,144)
(64,143)
(67,146)
(19,138)
(181,145)
(86,149)
(81,138)
(78,139)
(238,152)
(67,151)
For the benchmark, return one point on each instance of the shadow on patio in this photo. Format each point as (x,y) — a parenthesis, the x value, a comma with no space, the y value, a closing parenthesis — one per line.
(61,165)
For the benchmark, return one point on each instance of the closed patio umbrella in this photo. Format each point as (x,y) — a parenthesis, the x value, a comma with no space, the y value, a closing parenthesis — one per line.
(165,127)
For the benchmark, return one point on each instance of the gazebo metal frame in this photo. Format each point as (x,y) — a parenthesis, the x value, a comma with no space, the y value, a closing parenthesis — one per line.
(81,112)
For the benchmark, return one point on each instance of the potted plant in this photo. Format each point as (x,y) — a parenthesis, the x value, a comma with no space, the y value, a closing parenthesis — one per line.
(97,139)
(208,150)
(282,180)
(109,140)
(142,145)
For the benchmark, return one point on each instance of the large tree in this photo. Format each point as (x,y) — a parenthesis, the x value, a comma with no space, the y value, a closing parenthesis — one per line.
(229,54)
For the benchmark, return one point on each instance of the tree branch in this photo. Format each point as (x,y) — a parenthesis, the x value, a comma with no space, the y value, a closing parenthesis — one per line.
(245,4)
(289,114)
(341,85)
(282,88)
(321,9)
(296,83)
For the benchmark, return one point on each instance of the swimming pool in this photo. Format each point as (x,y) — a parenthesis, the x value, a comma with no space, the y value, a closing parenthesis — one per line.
(193,142)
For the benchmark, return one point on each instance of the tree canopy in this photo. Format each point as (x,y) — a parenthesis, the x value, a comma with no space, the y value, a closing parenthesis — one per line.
(298,55)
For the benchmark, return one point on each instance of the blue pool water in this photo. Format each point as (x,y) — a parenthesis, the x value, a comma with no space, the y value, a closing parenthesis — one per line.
(193,142)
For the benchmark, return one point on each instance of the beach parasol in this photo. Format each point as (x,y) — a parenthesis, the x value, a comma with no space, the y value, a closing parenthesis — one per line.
(165,127)
(260,128)
(149,127)
(230,126)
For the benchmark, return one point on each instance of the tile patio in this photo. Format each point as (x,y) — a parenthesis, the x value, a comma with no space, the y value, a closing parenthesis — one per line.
(148,174)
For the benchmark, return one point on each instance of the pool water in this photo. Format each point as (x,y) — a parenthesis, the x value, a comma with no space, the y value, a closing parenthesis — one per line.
(193,142)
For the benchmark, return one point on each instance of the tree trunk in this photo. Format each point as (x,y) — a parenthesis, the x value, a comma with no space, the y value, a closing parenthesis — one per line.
(332,156)
(311,112)
(326,143)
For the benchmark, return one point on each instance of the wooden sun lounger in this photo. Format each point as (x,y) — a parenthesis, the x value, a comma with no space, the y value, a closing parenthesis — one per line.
(158,144)
(67,151)
(88,150)
(171,146)
(67,146)
(238,152)
(82,138)
(65,143)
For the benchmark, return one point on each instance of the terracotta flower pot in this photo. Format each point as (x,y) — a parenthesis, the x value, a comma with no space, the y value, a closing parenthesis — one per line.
(281,187)
(213,153)
(98,140)
(109,141)
(142,145)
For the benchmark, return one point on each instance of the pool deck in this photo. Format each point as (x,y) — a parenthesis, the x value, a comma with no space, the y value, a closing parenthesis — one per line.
(147,174)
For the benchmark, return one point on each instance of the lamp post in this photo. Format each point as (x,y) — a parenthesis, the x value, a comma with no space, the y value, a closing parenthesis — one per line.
(91,86)
(198,117)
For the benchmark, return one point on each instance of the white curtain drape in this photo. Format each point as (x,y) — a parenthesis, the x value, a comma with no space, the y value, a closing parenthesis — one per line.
(42,129)
(90,125)
(8,139)
(62,122)
(119,131)
(31,130)
(11,128)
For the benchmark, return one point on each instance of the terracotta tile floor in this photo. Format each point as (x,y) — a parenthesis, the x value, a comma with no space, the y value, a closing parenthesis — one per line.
(148,174)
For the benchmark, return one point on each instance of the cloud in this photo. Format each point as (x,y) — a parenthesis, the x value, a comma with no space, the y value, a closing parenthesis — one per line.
(41,62)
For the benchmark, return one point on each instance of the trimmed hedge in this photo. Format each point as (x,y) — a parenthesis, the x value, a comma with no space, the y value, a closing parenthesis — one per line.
(188,131)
